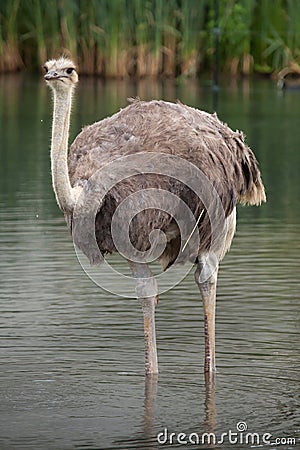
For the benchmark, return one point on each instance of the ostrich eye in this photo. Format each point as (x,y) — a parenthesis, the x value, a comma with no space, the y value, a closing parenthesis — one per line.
(70,70)
(45,68)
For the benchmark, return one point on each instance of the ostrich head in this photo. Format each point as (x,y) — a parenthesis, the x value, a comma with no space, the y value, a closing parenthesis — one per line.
(61,77)
(61,74)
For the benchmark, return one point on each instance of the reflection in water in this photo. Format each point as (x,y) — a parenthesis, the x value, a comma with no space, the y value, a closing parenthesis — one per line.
(209,425)
(152,437)
(72,371)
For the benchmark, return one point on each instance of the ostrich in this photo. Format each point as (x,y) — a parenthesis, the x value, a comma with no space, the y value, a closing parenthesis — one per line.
(163,128)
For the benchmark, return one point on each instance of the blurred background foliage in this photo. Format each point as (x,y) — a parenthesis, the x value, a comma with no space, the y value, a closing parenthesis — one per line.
(124,38)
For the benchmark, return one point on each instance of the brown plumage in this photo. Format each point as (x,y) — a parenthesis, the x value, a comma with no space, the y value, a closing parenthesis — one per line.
(175,129)
(194,137)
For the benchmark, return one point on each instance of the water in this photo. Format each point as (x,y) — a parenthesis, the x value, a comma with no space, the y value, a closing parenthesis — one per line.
(72,362)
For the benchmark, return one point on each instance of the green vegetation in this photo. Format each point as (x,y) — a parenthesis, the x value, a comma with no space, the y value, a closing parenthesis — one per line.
(120,38)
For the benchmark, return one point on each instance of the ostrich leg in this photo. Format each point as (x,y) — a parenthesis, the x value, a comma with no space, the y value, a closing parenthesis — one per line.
(206,278)
(146,289)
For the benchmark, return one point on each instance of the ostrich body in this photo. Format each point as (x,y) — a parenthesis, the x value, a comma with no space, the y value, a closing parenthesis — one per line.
(166,129)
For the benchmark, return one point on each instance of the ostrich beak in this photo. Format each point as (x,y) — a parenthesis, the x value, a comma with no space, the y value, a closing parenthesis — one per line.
(51,75)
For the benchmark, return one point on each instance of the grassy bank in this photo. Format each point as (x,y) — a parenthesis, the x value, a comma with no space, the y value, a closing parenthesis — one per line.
(120,38)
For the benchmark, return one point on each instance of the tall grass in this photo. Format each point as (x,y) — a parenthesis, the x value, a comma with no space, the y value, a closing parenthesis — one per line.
(122,38)
(10,58)
(192,48)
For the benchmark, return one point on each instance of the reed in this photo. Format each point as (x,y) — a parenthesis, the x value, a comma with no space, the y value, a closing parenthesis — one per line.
(117,32)
(236,46)
(140,38)
(10,58)
(156,66)
(192,49)
(87,39)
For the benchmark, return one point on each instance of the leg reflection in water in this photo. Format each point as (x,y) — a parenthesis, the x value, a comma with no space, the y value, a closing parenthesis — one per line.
(150,431)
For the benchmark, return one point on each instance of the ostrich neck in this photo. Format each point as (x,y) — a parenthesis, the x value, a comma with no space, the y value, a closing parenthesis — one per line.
(59,151)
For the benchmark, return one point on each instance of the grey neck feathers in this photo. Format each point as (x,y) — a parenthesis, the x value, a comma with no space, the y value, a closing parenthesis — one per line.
(59,150)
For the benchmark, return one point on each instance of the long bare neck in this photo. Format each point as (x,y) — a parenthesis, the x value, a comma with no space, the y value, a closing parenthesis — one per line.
(59,150)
